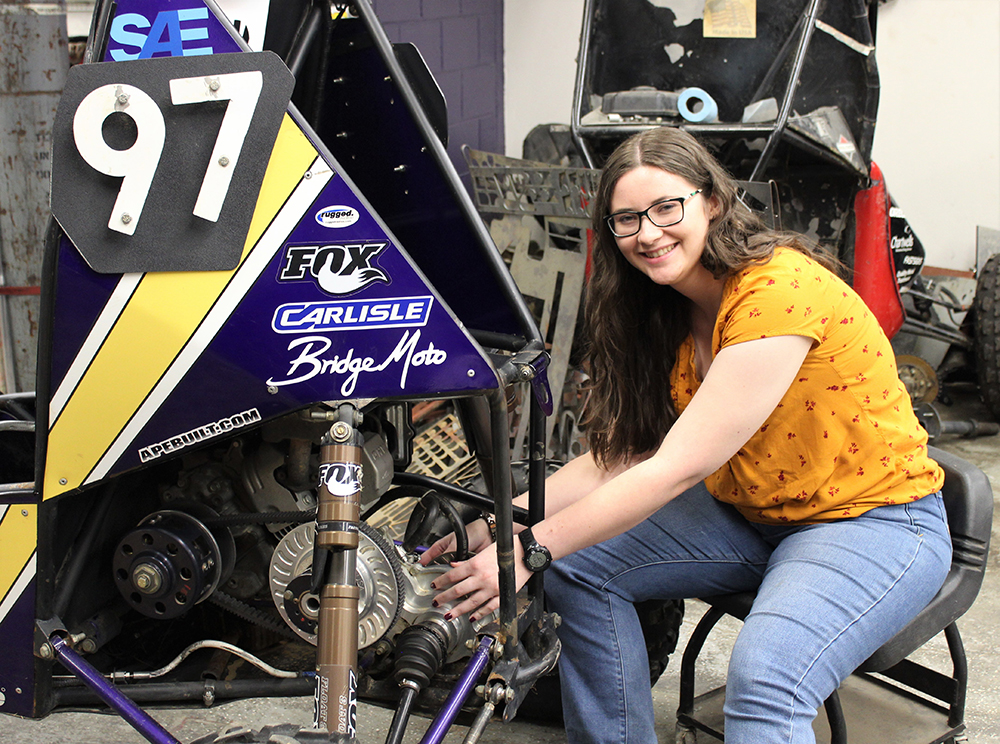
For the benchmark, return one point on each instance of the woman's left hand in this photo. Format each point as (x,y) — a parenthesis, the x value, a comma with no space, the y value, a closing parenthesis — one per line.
(475,584)
(479,536)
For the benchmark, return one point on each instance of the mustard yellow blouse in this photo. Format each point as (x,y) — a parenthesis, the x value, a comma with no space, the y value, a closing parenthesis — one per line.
(844,438)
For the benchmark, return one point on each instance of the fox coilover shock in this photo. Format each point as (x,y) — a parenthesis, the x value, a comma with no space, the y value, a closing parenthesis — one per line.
(334,561)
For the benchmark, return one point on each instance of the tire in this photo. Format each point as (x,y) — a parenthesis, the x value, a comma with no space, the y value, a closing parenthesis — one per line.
(986,309)
(661,626)
(661,623)
(281,734)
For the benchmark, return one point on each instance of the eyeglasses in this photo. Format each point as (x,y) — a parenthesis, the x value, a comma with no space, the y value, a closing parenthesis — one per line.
(662,214)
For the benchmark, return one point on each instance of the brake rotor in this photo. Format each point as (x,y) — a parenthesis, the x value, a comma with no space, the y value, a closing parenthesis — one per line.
(378,574)
(918,377)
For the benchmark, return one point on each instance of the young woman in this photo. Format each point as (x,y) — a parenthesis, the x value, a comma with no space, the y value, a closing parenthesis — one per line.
(748,429)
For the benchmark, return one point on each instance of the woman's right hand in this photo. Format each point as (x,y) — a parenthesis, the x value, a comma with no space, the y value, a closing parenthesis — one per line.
(480,538)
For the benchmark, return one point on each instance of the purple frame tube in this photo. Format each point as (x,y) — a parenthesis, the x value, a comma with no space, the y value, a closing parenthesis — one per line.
(135,716)
(442,722)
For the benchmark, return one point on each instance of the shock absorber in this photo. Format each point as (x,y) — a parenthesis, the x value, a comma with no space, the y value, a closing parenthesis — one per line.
(334,560)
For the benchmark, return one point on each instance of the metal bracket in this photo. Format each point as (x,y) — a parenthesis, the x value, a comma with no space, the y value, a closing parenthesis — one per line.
(530,365)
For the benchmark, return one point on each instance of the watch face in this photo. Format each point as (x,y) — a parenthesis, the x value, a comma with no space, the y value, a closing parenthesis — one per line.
(536,559)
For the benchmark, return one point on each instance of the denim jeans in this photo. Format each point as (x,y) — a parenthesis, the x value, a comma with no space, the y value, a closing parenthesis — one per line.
(829,596)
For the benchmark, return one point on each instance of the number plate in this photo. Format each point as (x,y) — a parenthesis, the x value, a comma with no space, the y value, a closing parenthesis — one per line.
(157,163)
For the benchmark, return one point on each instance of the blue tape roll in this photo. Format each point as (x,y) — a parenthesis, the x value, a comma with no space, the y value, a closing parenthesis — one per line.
(708,112)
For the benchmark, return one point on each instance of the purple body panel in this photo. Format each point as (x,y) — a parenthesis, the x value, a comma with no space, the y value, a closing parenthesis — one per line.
(340,312)
(18,667)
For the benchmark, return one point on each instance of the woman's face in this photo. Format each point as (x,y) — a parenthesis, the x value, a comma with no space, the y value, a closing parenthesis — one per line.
(667,255)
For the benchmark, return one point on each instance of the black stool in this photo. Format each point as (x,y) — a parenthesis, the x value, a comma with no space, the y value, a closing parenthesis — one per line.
(968,500)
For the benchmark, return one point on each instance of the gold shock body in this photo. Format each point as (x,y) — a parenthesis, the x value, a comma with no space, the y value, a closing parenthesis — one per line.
(337,532)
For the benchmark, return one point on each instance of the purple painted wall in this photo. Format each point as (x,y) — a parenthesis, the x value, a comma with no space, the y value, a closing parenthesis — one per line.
(462,43)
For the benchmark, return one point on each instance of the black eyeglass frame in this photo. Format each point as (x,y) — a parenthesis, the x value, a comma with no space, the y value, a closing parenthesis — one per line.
(681,200)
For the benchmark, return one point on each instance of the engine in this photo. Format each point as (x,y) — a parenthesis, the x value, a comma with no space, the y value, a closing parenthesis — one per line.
(232,529)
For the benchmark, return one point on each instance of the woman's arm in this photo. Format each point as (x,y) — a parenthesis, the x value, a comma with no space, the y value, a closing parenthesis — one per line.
(744,384)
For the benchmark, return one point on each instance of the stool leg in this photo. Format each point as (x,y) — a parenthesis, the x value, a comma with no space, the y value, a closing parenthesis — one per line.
(956,711)
(835,715)
(685,706)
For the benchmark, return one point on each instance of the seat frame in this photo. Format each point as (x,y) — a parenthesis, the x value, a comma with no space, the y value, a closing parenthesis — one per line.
(969,502)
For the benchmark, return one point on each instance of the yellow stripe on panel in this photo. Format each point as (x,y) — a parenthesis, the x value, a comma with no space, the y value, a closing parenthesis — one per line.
(290,159)
(156,324)
(18,533)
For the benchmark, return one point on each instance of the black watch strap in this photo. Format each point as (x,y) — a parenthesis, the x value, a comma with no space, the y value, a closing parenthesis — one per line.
(536,557)
(491,522)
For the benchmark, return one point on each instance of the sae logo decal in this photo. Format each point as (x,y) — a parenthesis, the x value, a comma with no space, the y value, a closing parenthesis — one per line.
(348,315)
(174,33)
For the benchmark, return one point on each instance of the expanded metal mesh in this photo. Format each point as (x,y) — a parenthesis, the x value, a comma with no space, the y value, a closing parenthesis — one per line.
(504,185)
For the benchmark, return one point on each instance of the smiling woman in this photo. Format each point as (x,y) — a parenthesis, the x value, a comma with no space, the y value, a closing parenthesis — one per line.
(667,246)
(747,429)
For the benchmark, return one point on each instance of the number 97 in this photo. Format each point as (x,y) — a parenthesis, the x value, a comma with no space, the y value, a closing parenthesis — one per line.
(137,164)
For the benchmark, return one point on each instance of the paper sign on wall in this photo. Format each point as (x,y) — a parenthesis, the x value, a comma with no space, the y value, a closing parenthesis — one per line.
(732,19)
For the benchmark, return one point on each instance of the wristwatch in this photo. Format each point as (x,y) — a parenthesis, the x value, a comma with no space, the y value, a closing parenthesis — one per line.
(536,557)
(491,522)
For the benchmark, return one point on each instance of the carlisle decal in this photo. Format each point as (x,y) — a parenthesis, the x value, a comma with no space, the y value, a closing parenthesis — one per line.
(311,361)
(345,315)
(337,216)
(907,250)
(337,269)
(199,434)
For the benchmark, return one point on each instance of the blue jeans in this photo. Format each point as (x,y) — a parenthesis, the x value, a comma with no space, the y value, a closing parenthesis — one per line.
(829,596)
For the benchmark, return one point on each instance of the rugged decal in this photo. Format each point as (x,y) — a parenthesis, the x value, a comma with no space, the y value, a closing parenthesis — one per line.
(336,217)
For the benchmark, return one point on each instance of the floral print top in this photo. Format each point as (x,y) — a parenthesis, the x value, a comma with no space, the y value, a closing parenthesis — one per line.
(844,438)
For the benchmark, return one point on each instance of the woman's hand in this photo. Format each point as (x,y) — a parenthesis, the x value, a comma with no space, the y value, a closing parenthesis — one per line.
(479,535)
(475,584)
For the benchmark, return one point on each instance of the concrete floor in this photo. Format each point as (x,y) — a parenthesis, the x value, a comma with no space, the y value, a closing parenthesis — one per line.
(870,719)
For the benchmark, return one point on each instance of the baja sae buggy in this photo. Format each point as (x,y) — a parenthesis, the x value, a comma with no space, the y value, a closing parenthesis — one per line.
(258,263)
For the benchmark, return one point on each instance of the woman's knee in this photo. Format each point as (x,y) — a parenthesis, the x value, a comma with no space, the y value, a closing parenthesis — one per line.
(771,671)
(769,689)
(758,666)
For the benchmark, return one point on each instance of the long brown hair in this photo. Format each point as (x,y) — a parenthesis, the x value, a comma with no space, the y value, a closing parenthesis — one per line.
(634,325)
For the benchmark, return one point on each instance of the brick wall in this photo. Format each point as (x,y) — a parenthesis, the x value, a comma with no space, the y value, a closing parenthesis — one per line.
(462,43)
